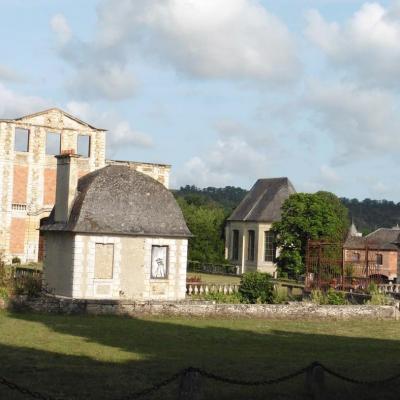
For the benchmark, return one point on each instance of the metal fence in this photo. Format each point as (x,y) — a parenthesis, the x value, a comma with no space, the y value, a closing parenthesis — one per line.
(327,267)
(210,268)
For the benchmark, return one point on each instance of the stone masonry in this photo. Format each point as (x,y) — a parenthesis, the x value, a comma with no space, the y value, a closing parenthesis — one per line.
(28,178)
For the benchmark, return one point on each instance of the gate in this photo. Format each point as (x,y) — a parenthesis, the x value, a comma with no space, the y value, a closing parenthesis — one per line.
(329,265)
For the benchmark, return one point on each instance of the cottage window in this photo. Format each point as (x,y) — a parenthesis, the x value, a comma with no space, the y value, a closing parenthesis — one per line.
(159,262)
(250,245)
(235,245)
(269,249)
(379,259)
(83,145)
(53,143)
(104,261)
(356,256)
(21,140)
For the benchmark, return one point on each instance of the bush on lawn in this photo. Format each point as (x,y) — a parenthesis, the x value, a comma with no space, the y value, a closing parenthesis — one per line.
(377,298)
(331,297)
(256,287)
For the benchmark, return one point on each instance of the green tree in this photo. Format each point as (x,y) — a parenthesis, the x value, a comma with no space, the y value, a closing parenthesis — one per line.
(206,222)
(307,216)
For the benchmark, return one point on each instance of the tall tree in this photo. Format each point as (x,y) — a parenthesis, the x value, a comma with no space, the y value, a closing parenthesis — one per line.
(307,216)
(206,222)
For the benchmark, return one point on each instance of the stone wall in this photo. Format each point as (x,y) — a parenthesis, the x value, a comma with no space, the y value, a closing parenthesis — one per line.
(27,178)
(159,172)
(300,311)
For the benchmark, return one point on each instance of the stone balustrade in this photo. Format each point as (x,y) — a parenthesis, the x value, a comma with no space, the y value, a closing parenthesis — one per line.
(389,288)
(193,289)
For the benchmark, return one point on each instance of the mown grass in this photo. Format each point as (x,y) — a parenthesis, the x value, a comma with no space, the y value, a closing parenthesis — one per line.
(214,278)
(107,357)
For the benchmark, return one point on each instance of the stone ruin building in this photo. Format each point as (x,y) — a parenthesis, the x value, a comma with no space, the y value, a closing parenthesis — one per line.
(28,173)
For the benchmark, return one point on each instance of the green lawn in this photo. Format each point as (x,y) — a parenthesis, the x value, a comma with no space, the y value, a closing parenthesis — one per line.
(106,357)
(214,278)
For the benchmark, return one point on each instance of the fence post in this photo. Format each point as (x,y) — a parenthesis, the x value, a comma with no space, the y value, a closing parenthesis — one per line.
(315,382)
(190,385)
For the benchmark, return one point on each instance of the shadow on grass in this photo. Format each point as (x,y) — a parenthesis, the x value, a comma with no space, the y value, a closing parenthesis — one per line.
(108,357)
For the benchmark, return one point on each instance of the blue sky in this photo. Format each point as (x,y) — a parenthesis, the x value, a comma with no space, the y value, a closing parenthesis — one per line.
(227,91)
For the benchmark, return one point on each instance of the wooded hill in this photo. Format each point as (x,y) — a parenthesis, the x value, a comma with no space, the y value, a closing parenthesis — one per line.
(367,214)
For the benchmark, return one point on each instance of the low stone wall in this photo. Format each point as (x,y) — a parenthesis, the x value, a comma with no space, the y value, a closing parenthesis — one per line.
(202,309)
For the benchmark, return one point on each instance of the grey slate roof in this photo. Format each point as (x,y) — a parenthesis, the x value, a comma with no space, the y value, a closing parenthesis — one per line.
(381,239)
(264,201)
(119,200)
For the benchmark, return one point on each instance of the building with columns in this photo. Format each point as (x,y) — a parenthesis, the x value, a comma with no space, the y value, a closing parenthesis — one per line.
(249,242)
(28,166)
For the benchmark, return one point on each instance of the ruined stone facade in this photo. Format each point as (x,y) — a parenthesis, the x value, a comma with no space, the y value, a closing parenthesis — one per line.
(28,173)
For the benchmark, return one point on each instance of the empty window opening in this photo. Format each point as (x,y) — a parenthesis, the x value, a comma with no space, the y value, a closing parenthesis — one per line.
(251,246)
(379,259)
(83,145)
(235,245)
(269,254)
(21,140)
(53,143)
(104,261)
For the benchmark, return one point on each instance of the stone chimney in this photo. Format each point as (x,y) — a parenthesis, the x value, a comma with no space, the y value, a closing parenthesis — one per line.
(67,180)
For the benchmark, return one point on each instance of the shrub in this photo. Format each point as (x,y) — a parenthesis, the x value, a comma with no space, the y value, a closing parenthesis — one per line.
(280,295)
(331,297)
(318,297)
(16,260)
(234,298)
(256,287)
(377,298)
(334,297)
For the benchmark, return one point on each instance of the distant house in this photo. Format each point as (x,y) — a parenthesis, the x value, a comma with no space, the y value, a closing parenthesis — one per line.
(377,253)
(249,240)
(115,233)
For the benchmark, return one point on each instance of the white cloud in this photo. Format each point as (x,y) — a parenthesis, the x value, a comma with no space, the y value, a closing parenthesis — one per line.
(368,44)
(121,134)
(61,28)
(96,73)
(361,122)
(13,104)
(211,39)
(10,75)
(239,153)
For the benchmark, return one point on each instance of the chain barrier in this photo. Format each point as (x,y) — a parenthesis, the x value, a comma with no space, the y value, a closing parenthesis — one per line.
(136,395)
(23,390)
(353,380)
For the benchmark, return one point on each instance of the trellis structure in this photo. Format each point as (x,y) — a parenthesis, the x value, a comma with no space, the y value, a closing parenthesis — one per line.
(327,267)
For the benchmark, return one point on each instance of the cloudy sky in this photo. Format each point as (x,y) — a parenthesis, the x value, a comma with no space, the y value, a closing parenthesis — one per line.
(227,91)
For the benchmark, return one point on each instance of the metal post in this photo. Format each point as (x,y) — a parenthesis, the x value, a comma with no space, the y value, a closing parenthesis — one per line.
(190,386)
(315,383)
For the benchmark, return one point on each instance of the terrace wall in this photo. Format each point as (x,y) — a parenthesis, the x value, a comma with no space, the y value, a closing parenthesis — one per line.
(295,311)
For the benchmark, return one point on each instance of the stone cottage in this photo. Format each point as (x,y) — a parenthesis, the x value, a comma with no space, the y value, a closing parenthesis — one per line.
(249,241)
(28,167)
(114,233)
(377,252)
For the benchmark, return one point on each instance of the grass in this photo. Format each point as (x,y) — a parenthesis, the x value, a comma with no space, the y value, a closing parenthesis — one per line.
(108,357)
(214,278)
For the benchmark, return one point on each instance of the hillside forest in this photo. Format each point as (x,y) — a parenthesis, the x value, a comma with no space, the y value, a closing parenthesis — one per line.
(206,210)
